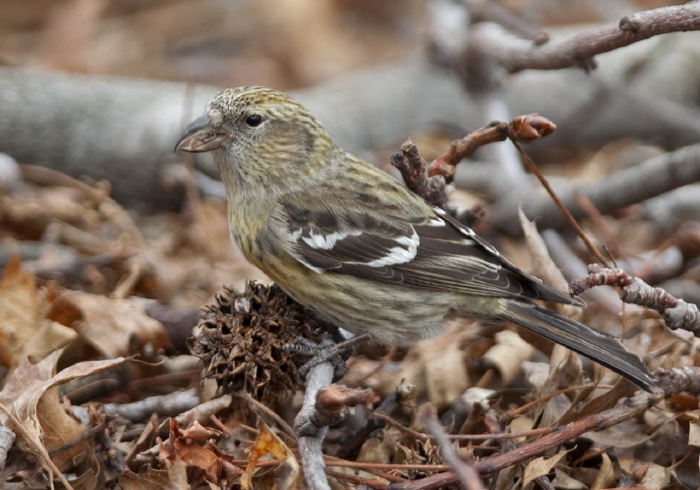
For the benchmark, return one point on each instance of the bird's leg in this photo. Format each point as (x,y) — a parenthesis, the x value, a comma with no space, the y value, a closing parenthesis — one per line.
(336,354)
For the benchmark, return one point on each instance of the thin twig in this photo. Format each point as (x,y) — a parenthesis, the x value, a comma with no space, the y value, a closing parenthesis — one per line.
(633,407)
(633,185)
(468,477)
(288,430)
(572,221)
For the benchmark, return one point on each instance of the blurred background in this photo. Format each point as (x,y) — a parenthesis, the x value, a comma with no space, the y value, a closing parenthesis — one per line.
(285,44)
(110,243)
(99,90)
(373,72)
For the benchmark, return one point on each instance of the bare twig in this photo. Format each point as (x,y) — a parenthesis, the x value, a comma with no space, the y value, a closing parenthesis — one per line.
(428,181)
(636,405)
(565,211)
(678,380)
(460,149)
(172,404)
(413,171)
(515,54)
(521,129)
(574,267)
(89,434)
(488,11)
(310,436)
(602,226)
(675,312)
(333,401)
(263,409)
(363,482)
(465,472)
(633,185)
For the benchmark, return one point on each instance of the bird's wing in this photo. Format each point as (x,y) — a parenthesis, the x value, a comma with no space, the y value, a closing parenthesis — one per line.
(413,244)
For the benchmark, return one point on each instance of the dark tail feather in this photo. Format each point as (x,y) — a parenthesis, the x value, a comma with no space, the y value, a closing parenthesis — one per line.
(597,346)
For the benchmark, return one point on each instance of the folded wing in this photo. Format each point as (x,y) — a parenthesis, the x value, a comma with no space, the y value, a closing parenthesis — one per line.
(418,245)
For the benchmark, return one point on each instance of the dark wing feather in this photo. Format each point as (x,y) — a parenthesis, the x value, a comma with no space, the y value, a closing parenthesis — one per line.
(415,245)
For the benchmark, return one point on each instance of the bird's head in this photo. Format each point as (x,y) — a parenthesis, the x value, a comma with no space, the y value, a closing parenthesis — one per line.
(256,130)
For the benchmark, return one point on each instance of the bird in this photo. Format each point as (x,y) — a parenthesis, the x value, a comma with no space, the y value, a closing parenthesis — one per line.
(350,242)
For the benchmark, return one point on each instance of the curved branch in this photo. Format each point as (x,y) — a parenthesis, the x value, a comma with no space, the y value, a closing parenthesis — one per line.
(516,54)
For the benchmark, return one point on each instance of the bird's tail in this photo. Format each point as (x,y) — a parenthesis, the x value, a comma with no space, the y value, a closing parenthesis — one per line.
(587,341)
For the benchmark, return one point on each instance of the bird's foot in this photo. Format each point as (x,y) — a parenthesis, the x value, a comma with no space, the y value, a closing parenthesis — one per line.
(336,354)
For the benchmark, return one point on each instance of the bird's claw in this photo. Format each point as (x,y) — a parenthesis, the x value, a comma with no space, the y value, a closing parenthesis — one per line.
(334,354)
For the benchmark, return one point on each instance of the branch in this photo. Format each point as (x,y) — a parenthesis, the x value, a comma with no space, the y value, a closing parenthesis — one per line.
(428,181)
(636,405)
(631,186)
(675,312)
(516,54)
(465,472)
(310,436)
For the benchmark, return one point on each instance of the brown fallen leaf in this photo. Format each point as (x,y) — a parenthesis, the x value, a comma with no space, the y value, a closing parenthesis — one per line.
(287,474)
(24,328)
(541,466)
(606,474)
(508,354)
(35,412)
(153,479)
(186,448)
(111,326)
(437,367)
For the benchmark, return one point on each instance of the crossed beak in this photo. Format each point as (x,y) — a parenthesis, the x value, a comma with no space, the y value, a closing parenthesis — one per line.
(200,136)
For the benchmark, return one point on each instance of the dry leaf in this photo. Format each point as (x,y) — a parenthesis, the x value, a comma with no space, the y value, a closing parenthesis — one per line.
(508,355)
(627,434)
(24,328)
(30,396)
(378,449)
(656,477)
(111,326)
(436,366)
(606,474)
(519,424)
(541,466)
(564,481)
(198,433)
(179,449)
(287,474)
(505,478)
(537,375)
(694,433)
(91,475)
(151,479)
(541,260)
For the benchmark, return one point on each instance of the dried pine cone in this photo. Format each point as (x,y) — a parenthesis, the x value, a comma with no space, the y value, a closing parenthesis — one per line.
(240,339)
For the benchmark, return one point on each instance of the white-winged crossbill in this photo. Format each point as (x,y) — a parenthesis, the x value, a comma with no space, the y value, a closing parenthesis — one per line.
(350,242)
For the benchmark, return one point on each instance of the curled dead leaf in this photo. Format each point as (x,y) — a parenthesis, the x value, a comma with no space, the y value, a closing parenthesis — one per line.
(113,327)
(287,474)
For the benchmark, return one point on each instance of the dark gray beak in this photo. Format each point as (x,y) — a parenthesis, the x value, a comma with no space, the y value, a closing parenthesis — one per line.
(199,136)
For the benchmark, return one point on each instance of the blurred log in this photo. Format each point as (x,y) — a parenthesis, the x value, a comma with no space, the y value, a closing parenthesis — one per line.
(123,130)
(633,185)
(110,128)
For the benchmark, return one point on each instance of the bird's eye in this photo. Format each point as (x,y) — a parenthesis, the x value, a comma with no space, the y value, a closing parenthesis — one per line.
(254,120)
